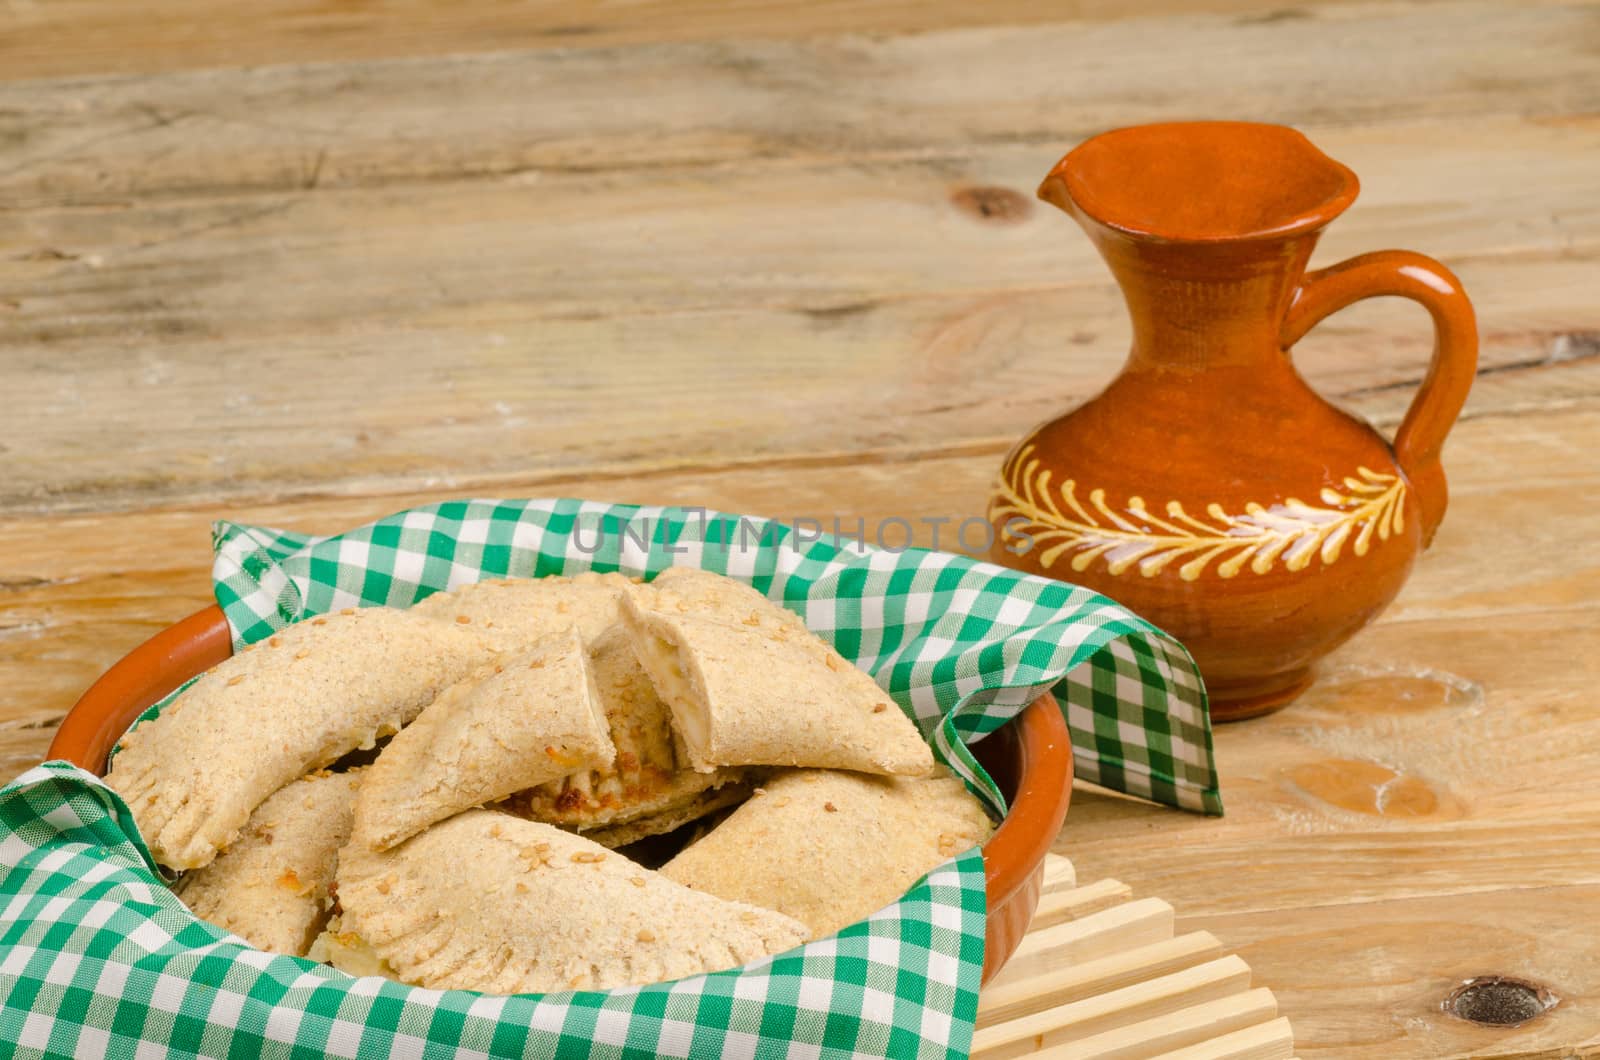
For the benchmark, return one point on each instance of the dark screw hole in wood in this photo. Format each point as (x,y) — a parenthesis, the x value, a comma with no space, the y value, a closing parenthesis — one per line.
(989,203)
(1498,1001)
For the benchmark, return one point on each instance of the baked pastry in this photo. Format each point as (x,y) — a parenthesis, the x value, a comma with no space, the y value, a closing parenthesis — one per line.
(529,718)
(275,712)
(646,787)
(571,705)
(742,694)
(545,910)
(525,609)
(649,788)
(829,848)
(712,595)
(271,886)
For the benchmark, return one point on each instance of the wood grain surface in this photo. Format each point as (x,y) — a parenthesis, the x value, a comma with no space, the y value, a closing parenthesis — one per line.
(306,263)
(68,37)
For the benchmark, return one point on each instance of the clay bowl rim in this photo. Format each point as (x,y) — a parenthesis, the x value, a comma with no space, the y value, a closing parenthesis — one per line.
(1013,858)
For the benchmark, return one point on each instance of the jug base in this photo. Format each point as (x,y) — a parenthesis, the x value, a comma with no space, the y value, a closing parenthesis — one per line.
(1251,698)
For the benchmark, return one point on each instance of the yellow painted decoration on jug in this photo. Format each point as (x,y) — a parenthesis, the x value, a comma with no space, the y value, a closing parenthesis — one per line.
(1294,532)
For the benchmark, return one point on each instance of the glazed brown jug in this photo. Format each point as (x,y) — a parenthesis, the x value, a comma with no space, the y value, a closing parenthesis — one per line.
(1209,488)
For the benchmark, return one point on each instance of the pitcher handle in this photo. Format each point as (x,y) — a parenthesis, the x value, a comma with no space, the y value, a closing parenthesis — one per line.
(1455,353)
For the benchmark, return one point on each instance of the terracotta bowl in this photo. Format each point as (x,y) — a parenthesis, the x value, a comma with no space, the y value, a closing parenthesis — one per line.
(1030,758)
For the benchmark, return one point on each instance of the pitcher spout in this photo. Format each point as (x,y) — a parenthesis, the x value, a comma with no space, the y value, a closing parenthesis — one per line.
(1203,221)
(1054,191)
(1201,182)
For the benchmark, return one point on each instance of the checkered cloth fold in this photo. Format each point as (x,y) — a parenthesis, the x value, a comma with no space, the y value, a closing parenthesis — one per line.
(963,646)
(98,958)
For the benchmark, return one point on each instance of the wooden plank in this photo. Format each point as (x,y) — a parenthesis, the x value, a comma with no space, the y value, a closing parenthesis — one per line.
(1266,1041)
(1059,875)
(738,235)
(789,340)
(1474,688)
(419,298)
(1366,983)
(1091,1016)
(528,115)
(490,405)
(1135,923)
(1436,840)
(1415,751)
(1175,1030)
(1011,996)
(1080,902)
(71,37)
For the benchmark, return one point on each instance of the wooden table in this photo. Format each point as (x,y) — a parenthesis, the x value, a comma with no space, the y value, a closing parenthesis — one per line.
(304,263)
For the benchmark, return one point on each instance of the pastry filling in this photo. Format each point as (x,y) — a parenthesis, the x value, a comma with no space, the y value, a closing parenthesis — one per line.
(348,952)
(677,689)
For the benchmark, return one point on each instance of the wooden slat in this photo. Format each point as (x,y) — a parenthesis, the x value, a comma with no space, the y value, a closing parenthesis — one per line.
(760,236)
(467,242)
(1176,1030)
(528,116)
(457,314)
(1026,1009)
(1100,934)
(1012,996)
(1059,875)
(1137,1003)
(72,37)
(1266,1041)
(1079,902)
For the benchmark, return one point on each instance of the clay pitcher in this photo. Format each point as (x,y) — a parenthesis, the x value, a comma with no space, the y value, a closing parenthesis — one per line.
(1209,488)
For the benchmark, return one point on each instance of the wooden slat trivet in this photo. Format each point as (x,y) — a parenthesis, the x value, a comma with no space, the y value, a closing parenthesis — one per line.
(1102,975)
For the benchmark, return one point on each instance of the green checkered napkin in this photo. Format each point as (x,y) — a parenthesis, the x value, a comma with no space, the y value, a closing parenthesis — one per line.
(98,958)
(963,646)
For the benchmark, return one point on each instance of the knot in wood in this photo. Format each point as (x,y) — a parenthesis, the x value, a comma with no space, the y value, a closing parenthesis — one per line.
(994,204)
(1498,1001)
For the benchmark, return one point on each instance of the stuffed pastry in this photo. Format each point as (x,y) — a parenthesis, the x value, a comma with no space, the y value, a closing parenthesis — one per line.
(742,695)
(486,901)
(276,711)
(717,596)
(649,788)
(531,717)
(271,886)
(523,610)
(829,848)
